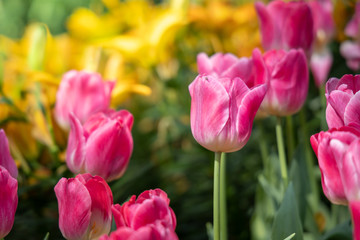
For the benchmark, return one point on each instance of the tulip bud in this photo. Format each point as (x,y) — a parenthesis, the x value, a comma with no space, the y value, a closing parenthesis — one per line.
(82,94)
(102,146)
(84,207)
(330,148)
(343,101)
(8,201)
(6,160)
(286,25)
(287,79)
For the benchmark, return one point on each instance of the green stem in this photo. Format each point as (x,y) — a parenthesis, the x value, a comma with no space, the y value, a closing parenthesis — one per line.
(309,157)
(290,136)
(281,151)
(323,123)
(216,206)
(223,207)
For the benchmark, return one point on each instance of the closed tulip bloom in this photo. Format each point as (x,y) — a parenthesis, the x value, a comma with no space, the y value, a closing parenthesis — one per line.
(6,160)
(287,79)
(8,201)
(286,25)
(330,147)
(343,101)
(82,94)
(226,66)
(84,207)
(150,208)
(102,146)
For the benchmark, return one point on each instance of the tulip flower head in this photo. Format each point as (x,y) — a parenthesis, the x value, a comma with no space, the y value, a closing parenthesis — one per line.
(82,94)
(330,147)
(343,101)
(8,201)
(6,160)
(287,78)
(102,146)
(286,25)
(149,217)
(84,207)
(222,111)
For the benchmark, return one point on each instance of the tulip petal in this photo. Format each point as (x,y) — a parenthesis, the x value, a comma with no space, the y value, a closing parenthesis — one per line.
(74,208)
(352,111)
(320,65)
(351,52)
(204,64)
(209,110)
(350,171)
(75,152)
(354,207)
(101,201)
(6,160)
(266,25)
(335,110)
(108,150)
(8,201)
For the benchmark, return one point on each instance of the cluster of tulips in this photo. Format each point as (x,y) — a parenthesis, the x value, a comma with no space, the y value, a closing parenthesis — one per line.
(100,145)
(226,96)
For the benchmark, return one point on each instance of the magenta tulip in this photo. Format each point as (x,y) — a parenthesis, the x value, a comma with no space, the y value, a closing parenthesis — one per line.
(330,148)
(151,207)
(343,101)
(354,207)
(286,25)
(102,146)
(222,111)
(287,79)
(82,94)
(6,160)
(8,201)
(84,207)
(351,49)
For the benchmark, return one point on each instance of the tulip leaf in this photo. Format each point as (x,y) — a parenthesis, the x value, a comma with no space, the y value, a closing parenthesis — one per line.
(287,219)
(47,236)
(290,237)
(340,232)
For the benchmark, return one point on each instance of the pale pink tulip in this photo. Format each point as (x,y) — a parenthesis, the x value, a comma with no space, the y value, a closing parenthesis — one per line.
(84,207)
(286,25)
(330,148)
(102,146)
(226,66)
(350,49)
(222,111)
(287,79)
(6,160)
(8,201)
(82,94)
(343,101)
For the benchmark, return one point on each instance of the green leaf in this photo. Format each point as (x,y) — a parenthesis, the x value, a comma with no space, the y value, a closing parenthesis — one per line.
(290,237)
(340,232)
(287,220)
(47,236)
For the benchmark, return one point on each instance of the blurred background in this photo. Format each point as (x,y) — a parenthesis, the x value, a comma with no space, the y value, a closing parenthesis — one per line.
(150,48)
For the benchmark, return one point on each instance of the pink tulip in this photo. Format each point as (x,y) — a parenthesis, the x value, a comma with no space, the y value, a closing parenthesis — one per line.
(350,49)
(287,79)
(222,111)
(8,201)
(84,207)
(343,101)
(102,146)
(82,94)
(6,160)
(148,232)
(226,66)
(350,173)
(330,148)
(286,25)
(150,208)
(324,28)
